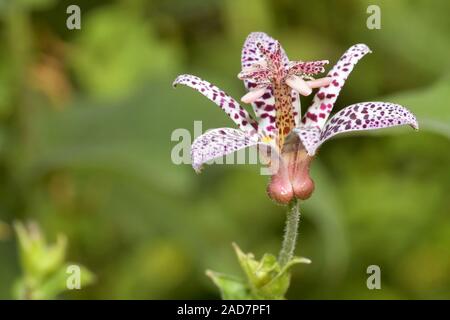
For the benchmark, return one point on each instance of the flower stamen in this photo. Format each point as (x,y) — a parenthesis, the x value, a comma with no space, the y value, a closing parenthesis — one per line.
(298,84)
(321,82)
(253,95)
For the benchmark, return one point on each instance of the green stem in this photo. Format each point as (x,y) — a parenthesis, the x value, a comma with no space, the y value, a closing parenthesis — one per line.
(290,233)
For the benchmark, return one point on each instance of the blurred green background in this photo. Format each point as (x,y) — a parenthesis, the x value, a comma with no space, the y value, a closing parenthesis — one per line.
(86,118)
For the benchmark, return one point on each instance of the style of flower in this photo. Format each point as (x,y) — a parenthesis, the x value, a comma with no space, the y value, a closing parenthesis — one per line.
(275,83)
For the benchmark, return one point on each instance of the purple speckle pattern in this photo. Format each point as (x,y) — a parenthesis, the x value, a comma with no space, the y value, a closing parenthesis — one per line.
(358,117)
(258,76)
(315,129)
(307,67)
(251,54)
(264,107)
(231,107)
(323,102)
(309,136)
(366,116)
(217,143)
(295,96)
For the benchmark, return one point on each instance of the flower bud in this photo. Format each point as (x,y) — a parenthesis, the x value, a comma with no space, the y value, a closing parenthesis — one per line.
(291,174)
(301,182)
(280,187)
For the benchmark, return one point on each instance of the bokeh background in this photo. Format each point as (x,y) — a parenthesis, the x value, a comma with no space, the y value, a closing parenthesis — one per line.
(86,118)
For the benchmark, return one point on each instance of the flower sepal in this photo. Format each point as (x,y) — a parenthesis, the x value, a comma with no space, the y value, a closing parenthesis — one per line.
(265,278)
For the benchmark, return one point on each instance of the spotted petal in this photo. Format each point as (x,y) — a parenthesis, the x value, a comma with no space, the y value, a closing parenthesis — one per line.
(309,136)
(295,96)
(251,54)
(264,107)
(307,67)
(232,108)
(217,143)
(366,116)
(256,76)
(323,102)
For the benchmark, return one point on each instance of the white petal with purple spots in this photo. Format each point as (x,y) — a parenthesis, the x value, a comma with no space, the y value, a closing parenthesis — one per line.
(232,108)
(296,104)
(263,107)
(323,102)
(310,137)
(219,142)
(307,67)
(366,116)
(251,53)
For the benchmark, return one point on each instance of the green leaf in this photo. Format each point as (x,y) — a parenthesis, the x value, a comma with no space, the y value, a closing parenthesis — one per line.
(45,274)
(266,279)
(37,257)
(248,264)
(58,282)
(231,288)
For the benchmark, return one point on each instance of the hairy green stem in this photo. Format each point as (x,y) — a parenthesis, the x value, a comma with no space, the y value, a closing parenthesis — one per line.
(290,233)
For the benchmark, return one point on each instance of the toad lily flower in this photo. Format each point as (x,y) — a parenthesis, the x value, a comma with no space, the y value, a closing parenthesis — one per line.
(274,85)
